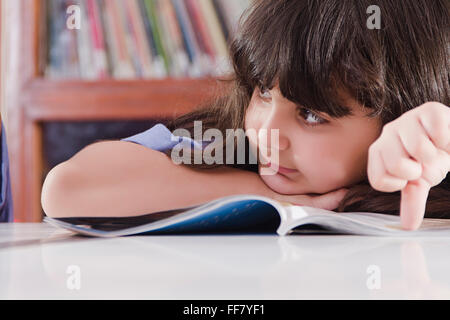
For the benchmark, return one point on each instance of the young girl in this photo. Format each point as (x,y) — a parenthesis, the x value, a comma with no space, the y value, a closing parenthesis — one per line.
(362,114)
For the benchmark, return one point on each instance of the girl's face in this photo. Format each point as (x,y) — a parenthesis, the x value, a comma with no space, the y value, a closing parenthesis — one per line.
(327,153)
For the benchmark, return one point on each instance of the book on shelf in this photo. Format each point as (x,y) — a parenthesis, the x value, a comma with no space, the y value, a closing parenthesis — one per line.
(133,39)
(100,63)
(249,214)
(62,49)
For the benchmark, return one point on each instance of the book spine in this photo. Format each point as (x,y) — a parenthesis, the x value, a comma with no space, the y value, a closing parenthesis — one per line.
(62,55)
(132,37)
(197,69)
(230,12)
(99,52)
(195,19)
(218,8)
(84,41)
(180,56)
(128,37)
(159,70)
(124,69)
(140,37)
(111,43)
(156,65)
(222,64)
(53,53)
(169,41)
(153,19)
(200,30)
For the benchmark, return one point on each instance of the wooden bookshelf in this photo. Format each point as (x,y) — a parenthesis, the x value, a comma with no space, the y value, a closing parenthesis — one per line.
(32,100)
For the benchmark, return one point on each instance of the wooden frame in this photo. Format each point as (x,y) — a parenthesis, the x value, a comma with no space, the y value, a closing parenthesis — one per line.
(32,100)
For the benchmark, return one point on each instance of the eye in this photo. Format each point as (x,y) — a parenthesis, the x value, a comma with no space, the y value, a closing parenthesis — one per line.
(263,93)
(310,118)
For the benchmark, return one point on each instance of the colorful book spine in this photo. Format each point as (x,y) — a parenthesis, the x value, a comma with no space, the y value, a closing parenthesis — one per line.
(197,58)
(121,65)
(84,44)
(129,39)
(221,17)
(159,69)
(63,54)
(198,26)
(110,38)
(179,54)
(153,19)
(98,43)
(125,36)
(139,37)
(222,64)
(168,43)
(230,8)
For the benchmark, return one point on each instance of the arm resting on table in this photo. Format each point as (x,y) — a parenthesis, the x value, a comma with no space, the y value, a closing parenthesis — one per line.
(118,178)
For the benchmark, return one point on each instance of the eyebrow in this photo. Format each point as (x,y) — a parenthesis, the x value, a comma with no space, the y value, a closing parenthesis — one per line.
(344,111)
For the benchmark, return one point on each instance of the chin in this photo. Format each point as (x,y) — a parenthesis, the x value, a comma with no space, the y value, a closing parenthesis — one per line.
(282,184)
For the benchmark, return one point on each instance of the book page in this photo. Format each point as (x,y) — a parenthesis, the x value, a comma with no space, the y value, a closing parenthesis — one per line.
(363,223)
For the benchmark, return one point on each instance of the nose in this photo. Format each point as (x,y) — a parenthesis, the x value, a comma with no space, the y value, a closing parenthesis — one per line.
(277,120)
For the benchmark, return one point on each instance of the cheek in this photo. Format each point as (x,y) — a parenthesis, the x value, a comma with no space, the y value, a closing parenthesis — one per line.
(342,162)
(252,117)
(325,163)
(253,121)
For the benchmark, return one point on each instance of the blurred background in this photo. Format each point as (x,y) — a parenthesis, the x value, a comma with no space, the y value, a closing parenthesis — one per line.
(77,71)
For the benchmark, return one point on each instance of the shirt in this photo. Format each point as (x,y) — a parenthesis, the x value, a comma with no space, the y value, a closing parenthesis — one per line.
(6,205)
(160,138)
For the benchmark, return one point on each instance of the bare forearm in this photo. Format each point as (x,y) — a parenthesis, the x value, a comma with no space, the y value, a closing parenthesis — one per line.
(98,182)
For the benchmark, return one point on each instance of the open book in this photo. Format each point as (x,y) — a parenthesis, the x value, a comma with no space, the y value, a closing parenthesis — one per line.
(248,213)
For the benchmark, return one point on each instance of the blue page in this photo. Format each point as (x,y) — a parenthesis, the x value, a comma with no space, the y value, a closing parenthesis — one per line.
(239,216)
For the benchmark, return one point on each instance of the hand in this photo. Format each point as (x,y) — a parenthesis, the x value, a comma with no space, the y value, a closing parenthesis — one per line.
(412,154)
(327,201)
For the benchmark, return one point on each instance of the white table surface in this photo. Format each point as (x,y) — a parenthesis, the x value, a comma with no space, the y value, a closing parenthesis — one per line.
(37,260)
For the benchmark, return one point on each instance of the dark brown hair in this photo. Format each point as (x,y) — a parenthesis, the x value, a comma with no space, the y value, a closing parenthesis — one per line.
(312,48)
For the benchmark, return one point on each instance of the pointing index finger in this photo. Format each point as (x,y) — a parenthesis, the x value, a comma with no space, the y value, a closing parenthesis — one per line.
(413,203)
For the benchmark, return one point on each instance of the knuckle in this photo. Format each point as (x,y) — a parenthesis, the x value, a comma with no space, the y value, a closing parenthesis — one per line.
(419,149)
(385,183)
(433,106)
(442,132)
(436,116)
(372,150)
(377,182)
(437,106)
(388,128)
(441,173)
(434,174)
(394,168)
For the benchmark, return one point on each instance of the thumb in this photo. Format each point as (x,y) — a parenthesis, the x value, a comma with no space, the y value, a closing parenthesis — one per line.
(413,202)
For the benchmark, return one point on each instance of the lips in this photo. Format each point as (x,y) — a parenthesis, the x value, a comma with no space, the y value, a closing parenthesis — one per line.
(281,169)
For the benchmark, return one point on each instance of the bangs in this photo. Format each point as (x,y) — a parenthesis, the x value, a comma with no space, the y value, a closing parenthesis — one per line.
(306,48)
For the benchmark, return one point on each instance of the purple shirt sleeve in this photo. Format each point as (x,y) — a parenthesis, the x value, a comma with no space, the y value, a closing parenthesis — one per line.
(6,205)
(160,138)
